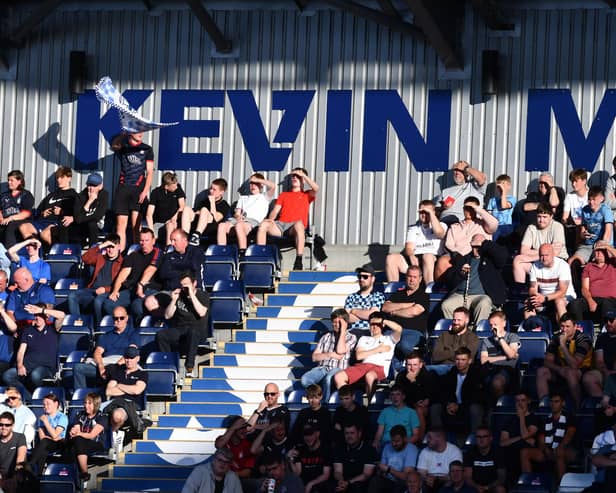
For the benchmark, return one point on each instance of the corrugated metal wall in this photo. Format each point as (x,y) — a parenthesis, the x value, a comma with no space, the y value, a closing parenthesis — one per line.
(284,49)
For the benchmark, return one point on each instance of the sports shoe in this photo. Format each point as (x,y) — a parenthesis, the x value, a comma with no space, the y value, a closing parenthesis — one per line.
(429,287)
(117,441)
(189,373)
(255,300)
(195,239)
(298,265)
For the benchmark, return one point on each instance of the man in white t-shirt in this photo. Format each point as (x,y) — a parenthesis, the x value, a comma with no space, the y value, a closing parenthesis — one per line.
(250,210)
(468,182)
(550,284)
(374,353)
(433,461)
(423,244)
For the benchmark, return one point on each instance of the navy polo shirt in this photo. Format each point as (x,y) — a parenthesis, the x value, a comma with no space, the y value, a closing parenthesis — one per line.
(42,347)
(114,343)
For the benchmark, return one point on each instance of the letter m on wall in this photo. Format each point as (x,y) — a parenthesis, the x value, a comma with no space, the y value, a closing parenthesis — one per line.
(583,151)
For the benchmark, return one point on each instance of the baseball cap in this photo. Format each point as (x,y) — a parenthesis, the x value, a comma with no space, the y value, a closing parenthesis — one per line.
(131,352)
(366,268)
(94,179)
(309,429)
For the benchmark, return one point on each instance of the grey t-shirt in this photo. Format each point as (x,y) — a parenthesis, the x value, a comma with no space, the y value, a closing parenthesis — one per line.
(494,348)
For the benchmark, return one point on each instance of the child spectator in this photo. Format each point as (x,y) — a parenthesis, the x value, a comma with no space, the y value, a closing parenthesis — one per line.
(166,203)
(315,415)
(501,206)
(16,206)
(90,208)
(349,411)
(208,212)
(574,202)
(41,270)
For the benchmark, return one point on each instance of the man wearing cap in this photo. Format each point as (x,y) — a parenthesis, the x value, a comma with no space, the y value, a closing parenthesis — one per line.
(362,303)
(106,261)
(333,353)
(206,477)
(36,358)
(90,208)
(468,182)
(109,349)
(598,281)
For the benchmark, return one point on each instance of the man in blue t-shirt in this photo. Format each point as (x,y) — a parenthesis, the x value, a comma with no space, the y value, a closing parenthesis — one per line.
(28,292)
(41,270)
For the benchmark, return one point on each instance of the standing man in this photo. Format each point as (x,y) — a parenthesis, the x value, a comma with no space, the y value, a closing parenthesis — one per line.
(332,354)
(424,243)
(136,171)
(188,315)
(362,303)
(468,182)
(214,475)
(289,217)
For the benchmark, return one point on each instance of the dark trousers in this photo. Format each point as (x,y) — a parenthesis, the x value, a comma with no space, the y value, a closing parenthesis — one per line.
(39,454)
(170,337)
(580,310)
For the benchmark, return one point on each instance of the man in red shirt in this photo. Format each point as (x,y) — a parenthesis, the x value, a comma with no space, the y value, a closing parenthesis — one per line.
(293,209)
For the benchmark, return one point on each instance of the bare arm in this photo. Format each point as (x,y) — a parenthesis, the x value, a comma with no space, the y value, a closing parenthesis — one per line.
(275,211)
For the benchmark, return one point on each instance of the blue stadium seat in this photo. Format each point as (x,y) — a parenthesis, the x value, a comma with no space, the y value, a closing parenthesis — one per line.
(74,340)
(66,249)
(221,263)
(227,302)
(149,321)
(533,346)
(131,249)
(587,327)
(260,266)
(40,392)
(80,394)
(60,478)
(65,261)
(162,368)
(66,372)
(65,286)
(78,321)
(392,287)
(533,482)
(442,325)
(483,328)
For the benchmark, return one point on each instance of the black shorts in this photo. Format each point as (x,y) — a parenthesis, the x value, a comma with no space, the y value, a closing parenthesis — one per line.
(126,199)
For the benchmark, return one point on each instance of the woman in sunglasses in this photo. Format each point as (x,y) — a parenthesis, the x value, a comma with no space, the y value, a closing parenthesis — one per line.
(52,427)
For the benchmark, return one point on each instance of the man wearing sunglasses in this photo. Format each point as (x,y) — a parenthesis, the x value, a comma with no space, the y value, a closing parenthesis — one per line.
(109,349)
(214,475)
(12,446)
(25,420)
(268,408)
(362,303)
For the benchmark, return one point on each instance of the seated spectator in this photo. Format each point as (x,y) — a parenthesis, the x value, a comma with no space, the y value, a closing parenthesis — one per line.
(546,193)
(423,244)
(458,240)
(475,279)
(188,315)
(311,461)
(499,356)
(25,420)
(545,231)
(289,217)
(555,439)
(434,460)
(362,303)
(28,292)
(284,481)
(604,459)
(52,224)
(349,411)
(130,286)
(8,327)
(40,270)
(573,205)
(484,464)
(273,439)
(90,209)
(519,432)
(457,480)
(249,212)
(166,205)
(396,414)
(4,283)
(333,353)
(413,482)
(208,212)
(315,415)
(235,440)
(420,386)
(87,433)
(605,358)
(397,461)
(268,408)
(459,335)
(501,207)
(109,350)
(374,353)
(106,261)
(13,449)
(409,307)
(206,477)
(468,182)
(16,205)
(463,398)
(550,289)
(52,427)
(125,388)
(354,463)
(597,288)
(568,355)
(37,356)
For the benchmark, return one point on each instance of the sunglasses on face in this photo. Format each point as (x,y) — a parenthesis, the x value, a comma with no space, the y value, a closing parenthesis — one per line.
(12,397)
(363,276)
(270,394)
(115,319)
(6,425)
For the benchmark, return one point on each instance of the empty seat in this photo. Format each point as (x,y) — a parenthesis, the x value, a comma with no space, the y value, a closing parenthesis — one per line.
(220,264)
(260,266)
(65,286)
(65,261)
(162,368)
(227,302)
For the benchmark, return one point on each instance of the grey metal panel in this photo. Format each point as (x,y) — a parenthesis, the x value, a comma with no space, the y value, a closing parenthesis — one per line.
(328,49)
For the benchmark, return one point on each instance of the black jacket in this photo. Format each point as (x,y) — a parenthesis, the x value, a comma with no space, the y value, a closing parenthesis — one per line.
(426,385)
(472,387)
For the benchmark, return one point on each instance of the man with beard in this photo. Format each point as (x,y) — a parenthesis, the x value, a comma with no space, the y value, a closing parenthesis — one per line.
(311,461)
(12,447)
(458,335)
(332,353)
(398,459)
(362,303)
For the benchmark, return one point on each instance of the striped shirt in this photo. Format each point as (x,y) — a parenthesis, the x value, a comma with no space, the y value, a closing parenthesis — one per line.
(554,430)
(327,344)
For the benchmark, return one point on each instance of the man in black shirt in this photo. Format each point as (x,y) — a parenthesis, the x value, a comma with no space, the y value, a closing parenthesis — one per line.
(188,315)
(355,462)
(349,412)
(311,461)
(90,208)
(209,211)
(166,204)
(12,446)
(484,467)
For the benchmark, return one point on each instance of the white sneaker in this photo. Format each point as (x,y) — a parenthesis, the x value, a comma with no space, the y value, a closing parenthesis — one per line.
(118,441)
(429,287)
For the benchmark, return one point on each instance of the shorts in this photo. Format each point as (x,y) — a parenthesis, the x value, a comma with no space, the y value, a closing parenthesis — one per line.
(284,227)
(253,222)
(584,252)
(41,224)
(358,371)
(126,199)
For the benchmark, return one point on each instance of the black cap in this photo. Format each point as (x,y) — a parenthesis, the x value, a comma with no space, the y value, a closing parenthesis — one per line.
(366,268)
(131,352)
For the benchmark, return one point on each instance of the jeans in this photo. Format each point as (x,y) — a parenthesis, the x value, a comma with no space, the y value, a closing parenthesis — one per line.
(322,376)
(133,304)
(409,339)
(81,372)
(32,380)
(85,298)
